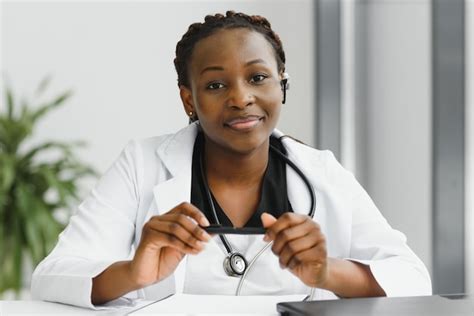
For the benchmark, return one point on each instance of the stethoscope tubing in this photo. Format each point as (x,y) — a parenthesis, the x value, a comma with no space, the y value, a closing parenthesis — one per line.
(224,240)
(308,184)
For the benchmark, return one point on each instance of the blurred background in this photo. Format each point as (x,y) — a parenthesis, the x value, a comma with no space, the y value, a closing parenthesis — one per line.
(387,85)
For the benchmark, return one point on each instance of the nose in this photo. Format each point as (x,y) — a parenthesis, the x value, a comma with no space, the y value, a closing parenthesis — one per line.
(240,96)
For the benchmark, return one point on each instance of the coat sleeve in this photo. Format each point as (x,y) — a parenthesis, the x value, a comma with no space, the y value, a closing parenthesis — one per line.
(100,233)
(375,243)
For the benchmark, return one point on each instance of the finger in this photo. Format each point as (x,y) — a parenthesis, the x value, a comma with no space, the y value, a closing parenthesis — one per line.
(267,219)
(316,255)
(188,224)
(293,248)
(173,228)
(192,211)
(161,239)
(292,233)
(286,220)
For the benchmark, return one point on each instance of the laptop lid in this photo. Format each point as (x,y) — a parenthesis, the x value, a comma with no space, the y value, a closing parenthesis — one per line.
(419,305)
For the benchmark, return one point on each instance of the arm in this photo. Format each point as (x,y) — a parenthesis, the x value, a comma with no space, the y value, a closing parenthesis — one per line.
(373,242)
(92,264)
(377,260)
(351,279)
(301,248)
(100,233)
(166,239)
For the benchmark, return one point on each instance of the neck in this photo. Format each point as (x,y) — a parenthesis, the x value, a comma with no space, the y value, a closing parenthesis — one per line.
(233,168)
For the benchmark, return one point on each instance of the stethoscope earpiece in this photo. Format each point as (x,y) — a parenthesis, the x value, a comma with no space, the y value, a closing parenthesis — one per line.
(285,85)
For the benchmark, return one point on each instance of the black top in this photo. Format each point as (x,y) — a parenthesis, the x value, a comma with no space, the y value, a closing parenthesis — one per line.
(274,199)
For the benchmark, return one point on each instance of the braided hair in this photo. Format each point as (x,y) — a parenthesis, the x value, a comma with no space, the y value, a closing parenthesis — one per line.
(213,23)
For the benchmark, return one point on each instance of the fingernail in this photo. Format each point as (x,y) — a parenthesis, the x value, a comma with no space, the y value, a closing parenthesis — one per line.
(266,238)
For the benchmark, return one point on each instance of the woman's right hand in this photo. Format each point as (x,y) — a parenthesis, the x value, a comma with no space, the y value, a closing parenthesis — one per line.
(164,242)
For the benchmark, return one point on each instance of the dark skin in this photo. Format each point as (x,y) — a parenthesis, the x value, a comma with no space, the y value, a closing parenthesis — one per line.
(236,94)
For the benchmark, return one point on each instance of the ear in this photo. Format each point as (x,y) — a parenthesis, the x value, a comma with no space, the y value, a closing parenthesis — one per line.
(187,99)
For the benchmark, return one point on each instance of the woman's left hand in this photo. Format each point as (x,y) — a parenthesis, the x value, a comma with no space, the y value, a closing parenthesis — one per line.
(300,245)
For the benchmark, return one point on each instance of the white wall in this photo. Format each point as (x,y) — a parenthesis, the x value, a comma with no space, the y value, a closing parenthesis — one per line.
(470,146)
(118,59)
(396,95)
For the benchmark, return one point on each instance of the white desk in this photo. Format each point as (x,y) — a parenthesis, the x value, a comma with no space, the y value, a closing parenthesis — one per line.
(177,304)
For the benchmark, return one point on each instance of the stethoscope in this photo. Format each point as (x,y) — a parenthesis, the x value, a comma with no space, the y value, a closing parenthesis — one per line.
(235,264)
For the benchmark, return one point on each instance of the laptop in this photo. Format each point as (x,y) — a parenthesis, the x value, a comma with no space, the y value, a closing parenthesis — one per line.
(419,305)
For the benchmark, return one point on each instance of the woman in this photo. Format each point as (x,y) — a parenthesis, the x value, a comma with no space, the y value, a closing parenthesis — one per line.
(141,233)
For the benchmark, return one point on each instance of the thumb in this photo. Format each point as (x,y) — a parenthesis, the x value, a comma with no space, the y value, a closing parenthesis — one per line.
(267,220)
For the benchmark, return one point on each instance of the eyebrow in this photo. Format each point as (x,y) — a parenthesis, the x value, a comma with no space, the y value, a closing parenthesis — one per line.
(219,68)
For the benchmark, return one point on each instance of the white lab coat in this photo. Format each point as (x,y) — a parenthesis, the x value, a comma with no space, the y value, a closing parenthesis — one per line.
(153,175)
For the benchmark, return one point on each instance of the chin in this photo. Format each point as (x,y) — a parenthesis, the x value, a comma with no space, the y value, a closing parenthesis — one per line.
(246,145)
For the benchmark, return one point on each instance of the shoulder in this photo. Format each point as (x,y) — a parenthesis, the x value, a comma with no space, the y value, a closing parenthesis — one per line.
(307,155)
(148,143)
(145,147)
(319,164)
(155,146)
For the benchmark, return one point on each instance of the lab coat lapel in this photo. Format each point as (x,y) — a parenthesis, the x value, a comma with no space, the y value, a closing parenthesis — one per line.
(176,155)
(172,192)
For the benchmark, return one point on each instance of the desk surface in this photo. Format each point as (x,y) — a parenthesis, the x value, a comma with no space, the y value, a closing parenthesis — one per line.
(176,304)
(261,305)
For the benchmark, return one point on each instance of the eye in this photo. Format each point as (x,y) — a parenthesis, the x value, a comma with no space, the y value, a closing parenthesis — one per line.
(258,78)
(214,86)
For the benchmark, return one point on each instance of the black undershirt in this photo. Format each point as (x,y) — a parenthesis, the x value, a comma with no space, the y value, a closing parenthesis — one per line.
(274,199)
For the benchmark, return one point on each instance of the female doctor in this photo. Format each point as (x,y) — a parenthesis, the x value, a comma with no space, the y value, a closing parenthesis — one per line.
(140,233)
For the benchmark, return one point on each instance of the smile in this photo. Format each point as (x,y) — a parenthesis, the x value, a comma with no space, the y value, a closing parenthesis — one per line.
(244,123)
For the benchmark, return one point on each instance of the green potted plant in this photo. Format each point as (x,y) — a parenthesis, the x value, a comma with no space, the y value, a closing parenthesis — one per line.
(32,189)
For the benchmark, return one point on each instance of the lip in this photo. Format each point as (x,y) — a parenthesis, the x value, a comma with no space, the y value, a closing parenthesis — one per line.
(243,123)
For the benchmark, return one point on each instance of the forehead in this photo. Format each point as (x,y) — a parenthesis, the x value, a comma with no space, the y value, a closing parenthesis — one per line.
(232,46)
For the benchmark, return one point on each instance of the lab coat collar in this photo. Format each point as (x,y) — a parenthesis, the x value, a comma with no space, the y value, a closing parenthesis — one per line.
(176,153)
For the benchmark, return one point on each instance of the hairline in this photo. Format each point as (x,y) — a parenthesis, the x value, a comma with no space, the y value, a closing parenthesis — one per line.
(229,27)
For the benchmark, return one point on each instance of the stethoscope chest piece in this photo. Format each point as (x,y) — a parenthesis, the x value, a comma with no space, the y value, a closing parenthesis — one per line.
(235,264)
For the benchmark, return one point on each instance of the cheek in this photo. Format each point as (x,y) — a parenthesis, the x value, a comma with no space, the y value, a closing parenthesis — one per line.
(273,92)
(208,109)
(271,100)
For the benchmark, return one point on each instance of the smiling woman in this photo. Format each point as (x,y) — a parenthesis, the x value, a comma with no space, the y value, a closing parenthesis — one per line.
(141,233)
(238,102)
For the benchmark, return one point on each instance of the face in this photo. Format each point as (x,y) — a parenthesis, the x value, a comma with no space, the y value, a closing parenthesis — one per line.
(234,89)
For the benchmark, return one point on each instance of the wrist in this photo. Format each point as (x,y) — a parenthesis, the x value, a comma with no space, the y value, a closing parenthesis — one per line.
(134,277)
(327,283)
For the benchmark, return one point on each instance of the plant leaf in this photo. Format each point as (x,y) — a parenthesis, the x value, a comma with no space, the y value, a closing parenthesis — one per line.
(50,106)
(7,172)
(9,99)
(65,148)
(28,228)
